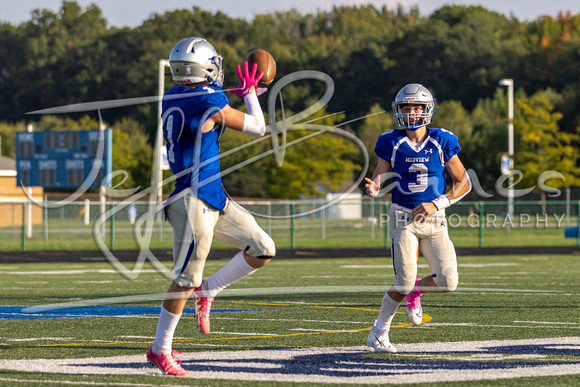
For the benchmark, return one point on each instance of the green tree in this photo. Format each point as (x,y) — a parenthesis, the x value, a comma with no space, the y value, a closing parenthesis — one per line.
(451,115)
(552,44)
(131,153)
(64,55)
(542,146)
(311,165)
(72,56)
(489,138)
(321,162)
(376,122)
(8,138)
(460,52)
(316,165)
(243,180)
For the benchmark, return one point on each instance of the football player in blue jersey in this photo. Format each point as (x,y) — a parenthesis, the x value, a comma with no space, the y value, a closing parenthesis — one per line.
(413,161)
(195,114)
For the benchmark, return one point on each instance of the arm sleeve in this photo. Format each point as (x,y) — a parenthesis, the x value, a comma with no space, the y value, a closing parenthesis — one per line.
(254,123)
(455,200)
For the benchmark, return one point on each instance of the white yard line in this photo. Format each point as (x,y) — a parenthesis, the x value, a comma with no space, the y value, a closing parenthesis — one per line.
(371,266)
(498,326)
(76,382)
(68,272)
(548,322)
(42,339)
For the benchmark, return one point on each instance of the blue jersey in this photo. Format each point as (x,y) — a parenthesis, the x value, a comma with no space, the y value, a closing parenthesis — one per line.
(418,169)
(194,156)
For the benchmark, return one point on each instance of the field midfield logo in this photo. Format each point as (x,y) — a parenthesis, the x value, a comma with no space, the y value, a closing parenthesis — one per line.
(439,362)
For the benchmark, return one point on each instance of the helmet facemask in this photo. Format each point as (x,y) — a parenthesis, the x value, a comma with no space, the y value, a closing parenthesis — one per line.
(414,94)
(420,119)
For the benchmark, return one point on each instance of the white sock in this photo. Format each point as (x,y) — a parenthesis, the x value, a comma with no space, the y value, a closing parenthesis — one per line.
(388,309)
(165,330)
(235,270)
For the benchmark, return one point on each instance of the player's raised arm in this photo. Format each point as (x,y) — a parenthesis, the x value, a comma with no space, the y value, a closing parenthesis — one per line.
(251,123)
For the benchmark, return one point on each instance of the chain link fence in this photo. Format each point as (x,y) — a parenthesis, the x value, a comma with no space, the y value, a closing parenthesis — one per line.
(349,223)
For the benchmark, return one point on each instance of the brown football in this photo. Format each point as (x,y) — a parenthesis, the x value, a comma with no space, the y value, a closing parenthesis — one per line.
(266,63)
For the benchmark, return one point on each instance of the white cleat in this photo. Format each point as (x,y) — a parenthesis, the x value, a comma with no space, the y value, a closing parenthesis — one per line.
(415,315)
(414,309)
(379,341)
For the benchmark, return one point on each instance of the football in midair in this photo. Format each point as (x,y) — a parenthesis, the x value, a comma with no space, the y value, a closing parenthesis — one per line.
(266,63)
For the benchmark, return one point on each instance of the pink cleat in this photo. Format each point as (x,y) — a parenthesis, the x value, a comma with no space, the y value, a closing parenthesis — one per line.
(414,309)
(169,365)
(202,309)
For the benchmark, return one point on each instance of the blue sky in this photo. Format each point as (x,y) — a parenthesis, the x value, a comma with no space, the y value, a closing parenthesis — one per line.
(132,12)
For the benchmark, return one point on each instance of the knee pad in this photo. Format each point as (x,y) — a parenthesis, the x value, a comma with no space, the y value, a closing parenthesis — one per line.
(446,282)
(268,249)
(263,247)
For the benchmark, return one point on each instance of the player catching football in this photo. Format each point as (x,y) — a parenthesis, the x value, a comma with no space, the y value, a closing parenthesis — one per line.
(195,115)
(416,160)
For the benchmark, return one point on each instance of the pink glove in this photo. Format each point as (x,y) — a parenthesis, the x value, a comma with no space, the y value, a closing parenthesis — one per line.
(247,80)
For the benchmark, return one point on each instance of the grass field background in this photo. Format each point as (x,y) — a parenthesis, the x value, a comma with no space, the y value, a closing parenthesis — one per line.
(73,235)
(499,297)
(471,224)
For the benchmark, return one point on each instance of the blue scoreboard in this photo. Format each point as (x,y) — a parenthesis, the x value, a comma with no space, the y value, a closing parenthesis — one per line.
(63,159)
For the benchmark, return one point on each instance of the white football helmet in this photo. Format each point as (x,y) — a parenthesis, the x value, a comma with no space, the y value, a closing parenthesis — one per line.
(194,60)
(414,94)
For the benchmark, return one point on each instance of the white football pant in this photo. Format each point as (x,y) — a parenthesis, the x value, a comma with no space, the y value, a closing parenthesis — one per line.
(195,225)
(431,237)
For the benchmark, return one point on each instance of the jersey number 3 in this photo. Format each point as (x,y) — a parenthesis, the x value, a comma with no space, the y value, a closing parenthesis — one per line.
(422,178)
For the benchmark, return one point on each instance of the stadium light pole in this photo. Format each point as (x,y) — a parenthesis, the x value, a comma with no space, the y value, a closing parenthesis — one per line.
(510,85)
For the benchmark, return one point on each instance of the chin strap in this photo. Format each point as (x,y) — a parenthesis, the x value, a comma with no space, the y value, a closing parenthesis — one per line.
(214,82)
